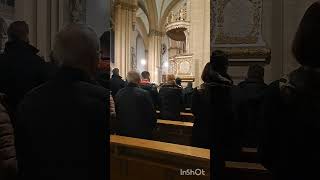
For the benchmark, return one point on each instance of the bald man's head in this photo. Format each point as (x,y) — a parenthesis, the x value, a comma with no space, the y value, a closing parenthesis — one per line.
(77,46)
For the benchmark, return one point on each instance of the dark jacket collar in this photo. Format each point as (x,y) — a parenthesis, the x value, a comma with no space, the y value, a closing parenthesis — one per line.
(69,74)
(132,85)
(251,81)
(17,46)
(116,76)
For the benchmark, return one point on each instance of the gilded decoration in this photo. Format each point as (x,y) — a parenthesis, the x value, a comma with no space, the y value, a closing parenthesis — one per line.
(252,36)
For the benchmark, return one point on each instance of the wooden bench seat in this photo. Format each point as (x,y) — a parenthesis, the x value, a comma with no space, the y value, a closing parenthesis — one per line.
(138,159)
(176,132)
(246,171)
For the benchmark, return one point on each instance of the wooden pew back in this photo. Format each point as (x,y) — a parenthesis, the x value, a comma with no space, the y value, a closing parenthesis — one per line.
(176,132)
(187,117)
(138,159)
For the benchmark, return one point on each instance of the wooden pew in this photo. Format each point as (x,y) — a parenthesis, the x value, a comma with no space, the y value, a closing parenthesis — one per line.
(249,154)
(187,117)
(176,132)
(246,171)
(188,110)
(139,159)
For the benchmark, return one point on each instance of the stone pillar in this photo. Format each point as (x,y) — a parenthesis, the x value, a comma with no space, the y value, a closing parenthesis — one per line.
(146,55)
(154,56)
(199,36)
(125,12)
(45,18)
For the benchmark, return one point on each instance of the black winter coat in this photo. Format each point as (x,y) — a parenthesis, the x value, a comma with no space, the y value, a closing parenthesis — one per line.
(170,102)
(247,107)
(153,91)
(136,116)
(116,83)
(21,70)
(61,130)
(290,145)
(214,127)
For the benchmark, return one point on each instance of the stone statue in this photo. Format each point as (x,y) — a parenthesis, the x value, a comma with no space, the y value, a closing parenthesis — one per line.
(133,59)
(3,33)
(75,10)
(172,17)
(181,15)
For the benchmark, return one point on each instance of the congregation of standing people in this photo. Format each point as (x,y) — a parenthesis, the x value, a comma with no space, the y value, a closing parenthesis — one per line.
(54,115)
(279,119)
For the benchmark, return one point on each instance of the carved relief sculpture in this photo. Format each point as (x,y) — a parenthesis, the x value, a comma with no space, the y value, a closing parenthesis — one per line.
(76,10)
(236,27)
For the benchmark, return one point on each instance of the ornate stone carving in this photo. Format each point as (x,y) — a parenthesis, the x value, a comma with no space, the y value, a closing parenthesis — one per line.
(247,53)
(3,33)
(236,27)
(153,32)
(181,66)
(125,6)
(77,10)
(243,16)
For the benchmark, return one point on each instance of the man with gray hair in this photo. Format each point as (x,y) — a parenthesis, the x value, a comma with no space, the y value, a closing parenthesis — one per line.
(61,128)
(136,116)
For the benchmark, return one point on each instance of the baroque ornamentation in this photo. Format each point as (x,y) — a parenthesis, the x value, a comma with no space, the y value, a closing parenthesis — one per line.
(153,32)
(220,17)
(181,66)
(125,6)
(247,53)
(76,10)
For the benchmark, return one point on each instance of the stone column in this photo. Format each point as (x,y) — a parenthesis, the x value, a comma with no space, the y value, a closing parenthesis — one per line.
(146,55)
(45,18)
(199,36)
(125,12)
(154,54)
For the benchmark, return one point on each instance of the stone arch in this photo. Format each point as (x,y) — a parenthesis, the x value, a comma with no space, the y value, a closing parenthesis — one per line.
(152,15)
(143,31)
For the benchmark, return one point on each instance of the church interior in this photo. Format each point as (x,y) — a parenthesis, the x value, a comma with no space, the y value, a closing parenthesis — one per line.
(179,89)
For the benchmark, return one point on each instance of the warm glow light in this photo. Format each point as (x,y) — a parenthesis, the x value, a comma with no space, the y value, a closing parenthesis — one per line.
(166,64)
(143,62)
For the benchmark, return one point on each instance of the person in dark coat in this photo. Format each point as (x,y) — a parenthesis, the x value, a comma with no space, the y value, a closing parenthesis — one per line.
(170,100)
(178,81)
(116,82)
(187,95)
(136,115)
(61,130)
(21,69)
(103,73)
(8,162)
(290,145)
(150,87)
(248,105)
(213,127)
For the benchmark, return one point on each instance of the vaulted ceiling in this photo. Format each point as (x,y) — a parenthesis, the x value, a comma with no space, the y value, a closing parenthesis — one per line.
(154,12)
